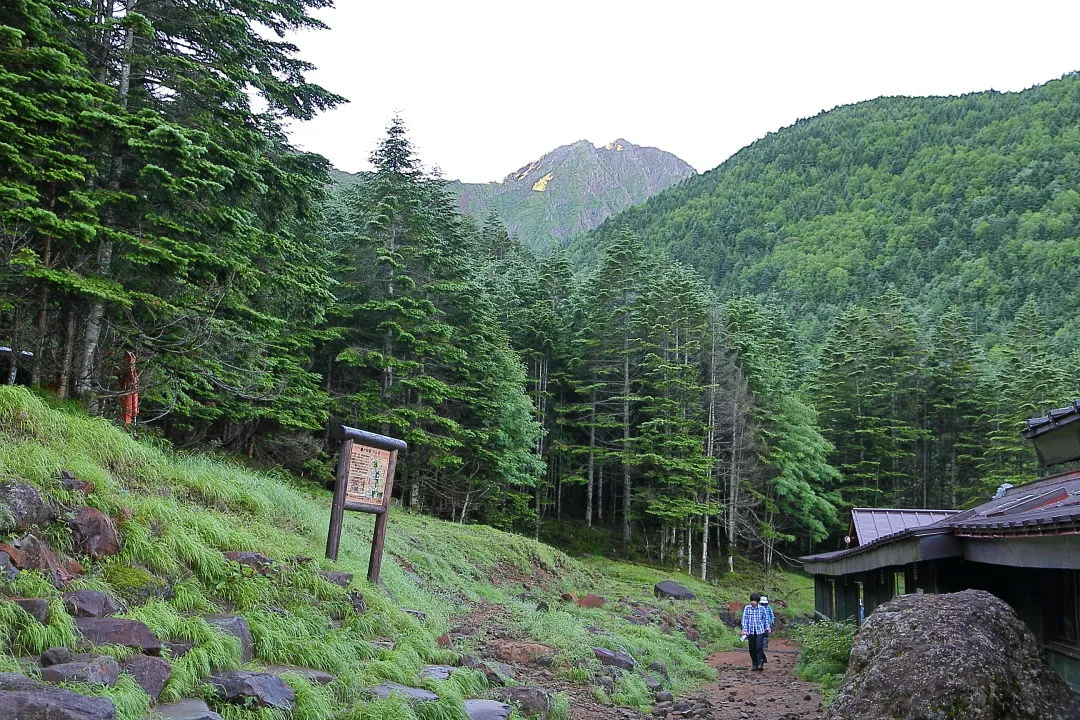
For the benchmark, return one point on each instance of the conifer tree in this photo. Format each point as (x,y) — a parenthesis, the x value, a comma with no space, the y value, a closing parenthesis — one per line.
(1031,382)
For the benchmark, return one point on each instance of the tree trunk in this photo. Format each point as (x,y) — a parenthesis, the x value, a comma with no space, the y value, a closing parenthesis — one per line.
(592,465)
(63,389)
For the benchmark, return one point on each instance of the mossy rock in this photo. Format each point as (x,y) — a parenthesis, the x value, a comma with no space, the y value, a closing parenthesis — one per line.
(135,584)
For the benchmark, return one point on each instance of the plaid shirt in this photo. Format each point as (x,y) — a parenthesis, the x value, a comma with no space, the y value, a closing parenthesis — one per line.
(755,620)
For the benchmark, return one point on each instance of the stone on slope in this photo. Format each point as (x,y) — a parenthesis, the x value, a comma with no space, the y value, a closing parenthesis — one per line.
(85,667)
(253,689)
(114,631)
(190,709)
(436,672)
(33,553)
(255,560)
(74,484)
(25,699)
(237,627)
(93,534)
(37,608)
(8,571)
(983,664)
(317,677)
(90,603)
(413,695)
(614,659)
(150,673)
(672,589)
(54,656)
(521,653)
(487,710)
(531,700)
(26,506)
(338,578)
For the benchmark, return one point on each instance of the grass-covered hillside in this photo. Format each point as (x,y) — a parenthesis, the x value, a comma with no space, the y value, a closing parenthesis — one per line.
(453,595)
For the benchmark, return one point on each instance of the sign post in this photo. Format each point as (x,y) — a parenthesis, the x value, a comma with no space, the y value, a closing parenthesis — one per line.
(365,481)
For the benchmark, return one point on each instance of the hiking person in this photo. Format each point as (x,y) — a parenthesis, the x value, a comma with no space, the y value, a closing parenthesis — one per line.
(772,621)
(755,628)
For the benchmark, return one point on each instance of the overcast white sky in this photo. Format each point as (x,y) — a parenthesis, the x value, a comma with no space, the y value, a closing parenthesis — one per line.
(486,86)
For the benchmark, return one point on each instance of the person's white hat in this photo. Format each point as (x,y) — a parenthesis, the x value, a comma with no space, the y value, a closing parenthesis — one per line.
(764,600)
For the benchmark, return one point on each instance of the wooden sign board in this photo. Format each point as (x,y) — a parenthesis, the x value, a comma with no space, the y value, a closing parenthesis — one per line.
(370,478)
(365,482)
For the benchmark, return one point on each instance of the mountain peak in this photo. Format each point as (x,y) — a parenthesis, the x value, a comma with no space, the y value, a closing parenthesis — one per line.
(573,188)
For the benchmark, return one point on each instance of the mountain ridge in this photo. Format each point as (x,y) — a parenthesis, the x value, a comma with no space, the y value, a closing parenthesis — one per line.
(970,201)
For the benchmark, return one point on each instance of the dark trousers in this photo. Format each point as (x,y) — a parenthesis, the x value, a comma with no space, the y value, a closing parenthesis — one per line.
(756,646)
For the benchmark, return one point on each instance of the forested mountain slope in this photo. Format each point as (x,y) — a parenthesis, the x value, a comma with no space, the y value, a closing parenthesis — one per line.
(571,189)
(965,201)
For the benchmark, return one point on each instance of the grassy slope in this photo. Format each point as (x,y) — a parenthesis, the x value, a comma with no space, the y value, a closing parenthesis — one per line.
(183,510)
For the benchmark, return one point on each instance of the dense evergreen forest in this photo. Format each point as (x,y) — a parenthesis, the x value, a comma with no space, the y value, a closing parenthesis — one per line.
(150,203)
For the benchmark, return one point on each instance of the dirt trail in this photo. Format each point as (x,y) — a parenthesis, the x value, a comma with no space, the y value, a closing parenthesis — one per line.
(773,694)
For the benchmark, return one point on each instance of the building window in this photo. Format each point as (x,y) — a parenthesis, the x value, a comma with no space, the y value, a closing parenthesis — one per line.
(1063,610)
(899,584)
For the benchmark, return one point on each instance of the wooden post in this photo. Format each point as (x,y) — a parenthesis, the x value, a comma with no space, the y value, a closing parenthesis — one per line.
(337,509)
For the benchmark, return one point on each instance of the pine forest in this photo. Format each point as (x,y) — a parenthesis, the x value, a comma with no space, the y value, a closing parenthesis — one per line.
(859,310)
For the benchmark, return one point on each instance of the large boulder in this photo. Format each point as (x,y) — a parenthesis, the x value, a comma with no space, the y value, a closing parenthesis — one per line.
(962,655)
(27,699)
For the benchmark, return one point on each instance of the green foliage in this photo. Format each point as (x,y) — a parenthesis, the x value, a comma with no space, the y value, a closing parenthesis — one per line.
(826,647)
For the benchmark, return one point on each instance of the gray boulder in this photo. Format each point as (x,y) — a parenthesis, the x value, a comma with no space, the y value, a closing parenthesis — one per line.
(149,673)
(672,589)
(190,709)
(25,699)
(37,608)
(411,694)
(90,603)
(487,710)
(114,631)
(88,668)
(531,700)
(253,690)
(962,655)
(25,507)
(237,627)
(614,659)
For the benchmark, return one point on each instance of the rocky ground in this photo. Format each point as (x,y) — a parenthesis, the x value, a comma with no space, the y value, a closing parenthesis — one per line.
(774,694)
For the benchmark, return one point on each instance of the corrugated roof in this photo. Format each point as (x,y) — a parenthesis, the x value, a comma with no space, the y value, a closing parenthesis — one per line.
(873,523)
(1047,506)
